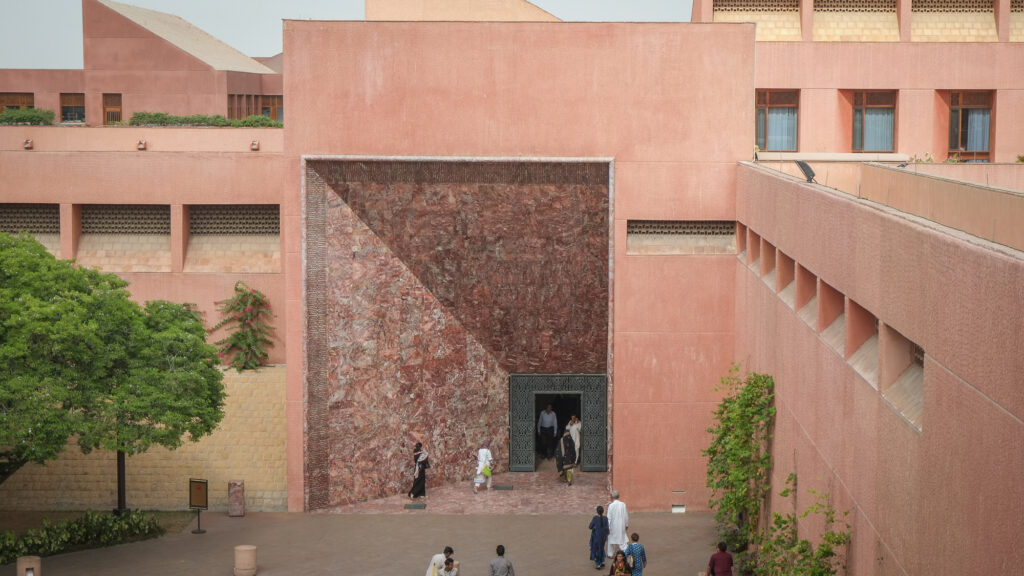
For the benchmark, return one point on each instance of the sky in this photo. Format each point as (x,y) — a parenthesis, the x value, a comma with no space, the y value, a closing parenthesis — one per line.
(48,33)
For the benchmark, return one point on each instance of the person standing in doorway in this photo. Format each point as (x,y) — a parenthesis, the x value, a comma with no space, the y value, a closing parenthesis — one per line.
(721,562)
(484,462)
(547,428)
(565,457)
(598,537)
(574,427)
(500,566)
(636,551)
(420,464)
(618,524)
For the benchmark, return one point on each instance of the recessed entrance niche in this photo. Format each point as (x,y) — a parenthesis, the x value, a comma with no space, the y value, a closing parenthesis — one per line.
(429,282)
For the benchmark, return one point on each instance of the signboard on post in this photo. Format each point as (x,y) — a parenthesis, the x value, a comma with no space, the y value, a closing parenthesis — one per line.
(197,494)
(199,500)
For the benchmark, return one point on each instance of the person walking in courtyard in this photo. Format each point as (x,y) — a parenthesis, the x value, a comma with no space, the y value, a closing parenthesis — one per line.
(574,426)
(598,536)
(720,563)
(618,524)
(420,464)
(484,462)
(438,561)
(619,567)
(565,457)
(547,428)
(636,551)
(500,566)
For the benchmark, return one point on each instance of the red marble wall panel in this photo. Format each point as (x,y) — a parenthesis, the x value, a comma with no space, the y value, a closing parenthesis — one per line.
(434,292)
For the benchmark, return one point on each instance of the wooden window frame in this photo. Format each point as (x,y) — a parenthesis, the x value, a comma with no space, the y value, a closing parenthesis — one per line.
(112,106)
(768,104)
(864,106)
(956,107)
(17,101)
(72,100)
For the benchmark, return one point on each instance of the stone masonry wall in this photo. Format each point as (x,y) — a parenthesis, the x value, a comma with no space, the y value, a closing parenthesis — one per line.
(248,445)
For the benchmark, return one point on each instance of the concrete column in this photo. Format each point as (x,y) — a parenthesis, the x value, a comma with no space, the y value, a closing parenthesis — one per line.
(70,229)
(1002,9)
(807,20)
(179,236)
(903,15)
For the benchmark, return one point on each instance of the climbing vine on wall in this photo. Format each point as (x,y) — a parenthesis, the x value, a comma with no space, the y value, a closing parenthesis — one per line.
(739,457)
(246,314)
(781,552)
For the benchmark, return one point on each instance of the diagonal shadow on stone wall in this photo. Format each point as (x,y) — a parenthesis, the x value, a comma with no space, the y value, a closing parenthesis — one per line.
(516,251)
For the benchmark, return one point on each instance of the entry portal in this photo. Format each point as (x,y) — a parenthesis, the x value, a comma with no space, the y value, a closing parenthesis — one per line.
(529,393)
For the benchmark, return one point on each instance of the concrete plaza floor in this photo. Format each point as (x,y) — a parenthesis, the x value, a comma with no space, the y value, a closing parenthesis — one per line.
(540,523)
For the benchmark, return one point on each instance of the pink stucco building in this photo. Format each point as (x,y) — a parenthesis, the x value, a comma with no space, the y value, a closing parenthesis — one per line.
(463,220)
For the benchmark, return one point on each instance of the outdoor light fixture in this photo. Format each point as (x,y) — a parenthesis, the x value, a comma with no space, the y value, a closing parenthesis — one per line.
(255,145)
(142,145)
(28,143)
(806,169)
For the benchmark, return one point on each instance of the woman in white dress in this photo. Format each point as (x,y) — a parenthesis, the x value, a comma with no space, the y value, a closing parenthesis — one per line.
(484,459)
(574,427)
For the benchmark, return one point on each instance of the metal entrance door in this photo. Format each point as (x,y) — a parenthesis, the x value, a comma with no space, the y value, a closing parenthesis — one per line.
(593,391)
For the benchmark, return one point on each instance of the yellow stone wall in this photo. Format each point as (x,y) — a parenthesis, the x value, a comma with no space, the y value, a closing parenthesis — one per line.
(238,253)
(50,241)
(856,27)
(125,252)
(248,445)
(1017,27)
(771,26)
(953,27)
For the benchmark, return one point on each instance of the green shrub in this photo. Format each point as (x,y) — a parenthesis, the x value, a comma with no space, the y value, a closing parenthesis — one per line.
(27,116)
(164,119)
(249,335)
(739,457)
(91,530)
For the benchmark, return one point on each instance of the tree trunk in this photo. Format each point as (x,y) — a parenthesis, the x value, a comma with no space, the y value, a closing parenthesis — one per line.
(121,508)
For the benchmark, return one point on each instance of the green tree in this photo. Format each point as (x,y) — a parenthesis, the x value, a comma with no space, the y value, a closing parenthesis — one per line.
(79,358)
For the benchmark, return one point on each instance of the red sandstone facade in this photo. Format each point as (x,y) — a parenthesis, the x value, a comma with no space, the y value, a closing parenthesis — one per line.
(830,287)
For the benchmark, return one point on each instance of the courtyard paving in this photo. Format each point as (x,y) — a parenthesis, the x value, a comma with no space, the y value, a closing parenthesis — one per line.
(542,523)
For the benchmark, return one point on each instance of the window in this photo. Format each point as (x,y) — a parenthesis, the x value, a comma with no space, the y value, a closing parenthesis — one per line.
(72,107)
(111,108)
(272,107)
(969,122)
(874,121)
(16,101)
(776,119)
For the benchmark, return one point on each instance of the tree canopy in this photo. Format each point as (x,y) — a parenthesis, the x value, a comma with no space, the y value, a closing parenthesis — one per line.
(79,358)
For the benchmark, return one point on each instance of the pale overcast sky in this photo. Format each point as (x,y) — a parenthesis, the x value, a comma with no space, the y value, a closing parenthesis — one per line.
(48,33)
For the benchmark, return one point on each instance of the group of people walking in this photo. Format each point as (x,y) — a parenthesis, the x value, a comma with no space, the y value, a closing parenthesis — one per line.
(608,540)
(565,450)
(445,565)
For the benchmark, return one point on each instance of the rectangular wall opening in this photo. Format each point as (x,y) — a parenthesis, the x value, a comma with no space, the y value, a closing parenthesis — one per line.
(902,376)
(680,237)
(862,342)
(768,263)
(832,317)
(243,238)
(126,237)
(42,221)
(784,279)
(753,250)
(807,296)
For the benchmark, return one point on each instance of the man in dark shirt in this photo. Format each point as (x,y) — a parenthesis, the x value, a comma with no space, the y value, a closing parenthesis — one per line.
(721,562)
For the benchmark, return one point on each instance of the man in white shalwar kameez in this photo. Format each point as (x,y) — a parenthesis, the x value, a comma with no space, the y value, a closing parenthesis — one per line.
(618,525)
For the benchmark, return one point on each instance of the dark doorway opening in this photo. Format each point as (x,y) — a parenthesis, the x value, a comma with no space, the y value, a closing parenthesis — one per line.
(564,405)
